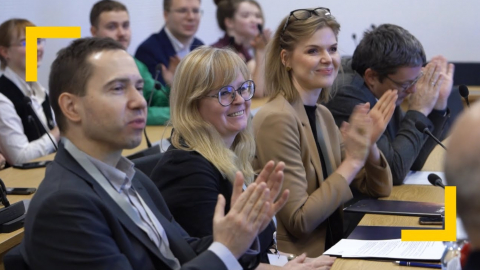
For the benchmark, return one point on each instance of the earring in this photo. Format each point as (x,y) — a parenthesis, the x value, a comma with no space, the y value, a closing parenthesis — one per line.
(288,69)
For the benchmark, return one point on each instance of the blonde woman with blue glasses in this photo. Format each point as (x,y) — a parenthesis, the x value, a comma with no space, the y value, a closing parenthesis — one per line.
(212,141)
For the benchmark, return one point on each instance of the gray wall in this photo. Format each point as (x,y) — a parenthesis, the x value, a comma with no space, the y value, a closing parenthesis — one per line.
(444,27)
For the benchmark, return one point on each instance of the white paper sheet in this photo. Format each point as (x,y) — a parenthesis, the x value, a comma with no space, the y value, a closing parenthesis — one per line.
(421,178)
(278,260)
(388,249)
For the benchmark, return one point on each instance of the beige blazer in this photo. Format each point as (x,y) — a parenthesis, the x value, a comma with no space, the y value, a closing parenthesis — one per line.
(283,133)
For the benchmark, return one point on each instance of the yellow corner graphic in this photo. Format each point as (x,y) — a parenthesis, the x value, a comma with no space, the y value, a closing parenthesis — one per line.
(34,32)
(450,231)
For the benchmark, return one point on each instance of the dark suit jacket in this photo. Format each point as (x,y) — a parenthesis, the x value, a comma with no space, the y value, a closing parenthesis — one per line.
(158,49)
(72,223)
(473,261)
(404,147)
(190,185)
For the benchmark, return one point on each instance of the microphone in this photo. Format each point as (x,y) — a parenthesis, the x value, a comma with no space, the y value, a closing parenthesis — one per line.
(158,70)
(260,28)
(463,89)
(231,42)
(435,180)
(354,37)
(28,101)
(12,217)
(424,129)
(3,194)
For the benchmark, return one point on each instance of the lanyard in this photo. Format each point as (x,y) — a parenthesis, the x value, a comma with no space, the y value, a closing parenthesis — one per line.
(87,165)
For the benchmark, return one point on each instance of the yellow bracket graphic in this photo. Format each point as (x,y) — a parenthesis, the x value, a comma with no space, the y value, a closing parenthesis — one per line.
(450,231)
(32,33)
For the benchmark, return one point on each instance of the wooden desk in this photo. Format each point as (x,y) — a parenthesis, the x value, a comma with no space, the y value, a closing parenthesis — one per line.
(18,178)
(435,160)
(402,193)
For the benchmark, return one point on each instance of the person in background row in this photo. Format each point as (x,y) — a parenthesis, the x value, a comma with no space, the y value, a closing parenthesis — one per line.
(322,163)
(94,210)
(175,40)
(389,57)
(241,20)
(3,161)
(109,18)
(462,169)
(21,135)
(202,164)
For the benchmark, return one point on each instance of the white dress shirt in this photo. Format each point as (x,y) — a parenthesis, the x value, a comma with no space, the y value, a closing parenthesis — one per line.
(120,177)
(14,144)
(181,49)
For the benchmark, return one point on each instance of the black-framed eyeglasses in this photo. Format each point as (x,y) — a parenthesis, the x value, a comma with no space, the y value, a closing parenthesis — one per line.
(227,94)
(402,87)
(303,14)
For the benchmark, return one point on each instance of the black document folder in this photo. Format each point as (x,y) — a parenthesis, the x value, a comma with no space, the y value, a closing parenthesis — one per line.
(401,208)
(382,232)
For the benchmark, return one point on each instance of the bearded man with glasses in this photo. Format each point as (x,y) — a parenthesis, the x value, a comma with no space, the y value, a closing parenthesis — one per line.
(389,57)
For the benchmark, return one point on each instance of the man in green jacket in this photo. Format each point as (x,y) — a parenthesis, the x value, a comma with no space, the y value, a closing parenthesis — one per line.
(110,18)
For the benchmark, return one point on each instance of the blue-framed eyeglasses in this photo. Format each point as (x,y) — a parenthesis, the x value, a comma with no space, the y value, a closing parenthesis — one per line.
(23,42)
(227,94)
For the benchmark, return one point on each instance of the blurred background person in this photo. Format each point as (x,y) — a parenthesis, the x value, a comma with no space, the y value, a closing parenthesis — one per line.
(462,169)
(242,20)
(174,41)
(21,136)
(3,161)
(110,18)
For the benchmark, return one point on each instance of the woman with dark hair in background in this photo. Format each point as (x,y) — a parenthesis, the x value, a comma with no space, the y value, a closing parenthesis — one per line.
(243,21)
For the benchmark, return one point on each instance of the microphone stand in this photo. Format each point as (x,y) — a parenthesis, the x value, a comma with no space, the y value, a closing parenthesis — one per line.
(158,69)
(28,101)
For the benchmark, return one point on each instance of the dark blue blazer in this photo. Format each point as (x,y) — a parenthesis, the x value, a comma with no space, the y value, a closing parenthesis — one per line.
(72,223)
(158,49)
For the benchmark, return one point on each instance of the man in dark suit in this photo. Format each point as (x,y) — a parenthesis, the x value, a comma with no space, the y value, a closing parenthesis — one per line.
(389,57)
(175,40)
(94,210)
(462,169)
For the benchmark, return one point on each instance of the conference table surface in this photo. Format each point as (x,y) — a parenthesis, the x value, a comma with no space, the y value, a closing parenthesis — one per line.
(32,178)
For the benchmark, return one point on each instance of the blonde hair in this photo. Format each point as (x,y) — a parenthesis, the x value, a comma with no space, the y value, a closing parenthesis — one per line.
(9,31)
(203,70)
(278,80)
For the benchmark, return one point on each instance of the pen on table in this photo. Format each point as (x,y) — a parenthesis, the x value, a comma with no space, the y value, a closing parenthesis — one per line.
(417,264)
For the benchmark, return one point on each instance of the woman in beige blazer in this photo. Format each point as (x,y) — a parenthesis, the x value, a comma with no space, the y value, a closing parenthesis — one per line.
(322,162)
